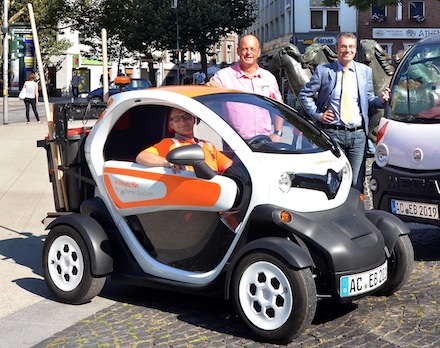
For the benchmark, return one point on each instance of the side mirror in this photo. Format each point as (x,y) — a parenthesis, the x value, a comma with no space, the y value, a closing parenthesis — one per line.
(191,155)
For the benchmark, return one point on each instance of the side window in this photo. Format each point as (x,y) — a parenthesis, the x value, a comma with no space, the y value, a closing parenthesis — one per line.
(417,90)
(139,128)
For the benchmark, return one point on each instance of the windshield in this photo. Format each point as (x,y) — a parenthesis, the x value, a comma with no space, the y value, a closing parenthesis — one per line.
(249,114)
(416,88)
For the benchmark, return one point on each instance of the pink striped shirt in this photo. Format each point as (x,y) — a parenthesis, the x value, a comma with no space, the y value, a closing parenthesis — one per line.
(239,116)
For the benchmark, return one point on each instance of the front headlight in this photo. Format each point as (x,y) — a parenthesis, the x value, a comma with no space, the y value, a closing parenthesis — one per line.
(373,185)
(285,182)
(381,155)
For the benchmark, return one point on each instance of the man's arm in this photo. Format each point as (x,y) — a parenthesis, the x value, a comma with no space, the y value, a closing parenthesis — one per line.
(307,96)
(278,129)
(150,159)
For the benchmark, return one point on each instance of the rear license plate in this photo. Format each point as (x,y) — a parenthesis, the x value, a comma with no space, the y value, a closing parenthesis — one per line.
(360,283)
(407,208)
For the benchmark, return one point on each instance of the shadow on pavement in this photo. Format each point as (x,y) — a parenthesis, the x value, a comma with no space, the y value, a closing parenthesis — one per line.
(426,242)
(24,250)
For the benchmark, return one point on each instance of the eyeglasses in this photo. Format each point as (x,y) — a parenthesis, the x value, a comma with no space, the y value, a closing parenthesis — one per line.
(246,50)
(346,48)
(185,117)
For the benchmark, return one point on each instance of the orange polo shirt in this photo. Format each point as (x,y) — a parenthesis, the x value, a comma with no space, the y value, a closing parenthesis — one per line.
(213,158)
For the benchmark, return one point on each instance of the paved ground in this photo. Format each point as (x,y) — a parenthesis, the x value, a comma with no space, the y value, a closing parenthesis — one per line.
(125,316)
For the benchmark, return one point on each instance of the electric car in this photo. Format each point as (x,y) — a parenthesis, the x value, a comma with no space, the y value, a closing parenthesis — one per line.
(406,174)
(276,232)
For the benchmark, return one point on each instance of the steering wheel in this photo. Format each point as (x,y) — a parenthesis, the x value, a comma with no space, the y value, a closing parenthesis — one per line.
(259,139)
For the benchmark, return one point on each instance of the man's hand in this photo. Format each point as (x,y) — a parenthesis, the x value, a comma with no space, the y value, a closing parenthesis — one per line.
(176,168)
(213,84)
(275,138)
(327,116)
(385,95)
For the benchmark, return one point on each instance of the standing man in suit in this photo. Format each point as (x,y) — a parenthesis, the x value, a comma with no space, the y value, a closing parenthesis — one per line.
(349,128)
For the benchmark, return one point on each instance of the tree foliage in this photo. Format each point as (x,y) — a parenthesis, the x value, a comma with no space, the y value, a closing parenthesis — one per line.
(143,25)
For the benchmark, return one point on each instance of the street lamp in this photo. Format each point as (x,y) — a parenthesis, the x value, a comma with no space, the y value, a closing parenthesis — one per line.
(174,4)
(5,31)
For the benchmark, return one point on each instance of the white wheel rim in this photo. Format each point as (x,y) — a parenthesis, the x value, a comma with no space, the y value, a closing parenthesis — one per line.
(65,263)
(265,295)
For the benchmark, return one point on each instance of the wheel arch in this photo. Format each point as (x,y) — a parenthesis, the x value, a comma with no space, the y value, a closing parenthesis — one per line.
(294,255)
(96,239)
(389,225)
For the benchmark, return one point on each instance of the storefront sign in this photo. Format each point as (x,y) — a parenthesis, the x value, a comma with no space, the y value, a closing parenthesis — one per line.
(326,40)
(404,33)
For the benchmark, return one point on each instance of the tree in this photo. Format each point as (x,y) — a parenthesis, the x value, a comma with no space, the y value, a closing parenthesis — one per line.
(143,25)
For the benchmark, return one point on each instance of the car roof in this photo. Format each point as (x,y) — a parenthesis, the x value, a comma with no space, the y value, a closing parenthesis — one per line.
(196,90)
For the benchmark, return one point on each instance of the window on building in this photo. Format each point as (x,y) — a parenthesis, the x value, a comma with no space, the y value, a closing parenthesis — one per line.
(317,20)
(416,9)
(378,10)
(271,31)
(332,19)
(388,47)
(320,19)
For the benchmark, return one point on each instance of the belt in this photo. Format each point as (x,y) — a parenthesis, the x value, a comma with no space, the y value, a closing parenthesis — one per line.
(341,127)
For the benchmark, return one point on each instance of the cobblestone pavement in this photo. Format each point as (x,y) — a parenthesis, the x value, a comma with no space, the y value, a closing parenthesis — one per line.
(408,318)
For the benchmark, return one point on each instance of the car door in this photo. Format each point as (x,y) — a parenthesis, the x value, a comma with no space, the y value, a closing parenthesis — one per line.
(177,217)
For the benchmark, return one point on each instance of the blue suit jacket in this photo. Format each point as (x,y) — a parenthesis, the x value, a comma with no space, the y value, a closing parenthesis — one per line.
(323,82)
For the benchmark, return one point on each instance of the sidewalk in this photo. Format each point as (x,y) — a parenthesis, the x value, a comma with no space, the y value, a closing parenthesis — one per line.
(16,109)
(28,314)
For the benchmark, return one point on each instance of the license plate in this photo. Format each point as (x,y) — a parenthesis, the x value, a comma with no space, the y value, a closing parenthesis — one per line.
(423,210)
(360,283)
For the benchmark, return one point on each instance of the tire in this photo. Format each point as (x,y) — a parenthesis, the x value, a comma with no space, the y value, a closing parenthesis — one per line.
(66,267)
(277,302)
(400,266)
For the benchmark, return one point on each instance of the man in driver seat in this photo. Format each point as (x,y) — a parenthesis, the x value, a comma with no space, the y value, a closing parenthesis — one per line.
(182,123)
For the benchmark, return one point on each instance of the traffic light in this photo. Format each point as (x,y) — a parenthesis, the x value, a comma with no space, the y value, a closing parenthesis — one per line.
(20,45)
(171,54)
(16,46)
(176,56)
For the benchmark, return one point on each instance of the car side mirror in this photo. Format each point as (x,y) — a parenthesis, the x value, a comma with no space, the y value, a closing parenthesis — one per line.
(191,155)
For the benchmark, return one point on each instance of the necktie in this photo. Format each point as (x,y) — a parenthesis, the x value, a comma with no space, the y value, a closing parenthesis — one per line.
(345,96)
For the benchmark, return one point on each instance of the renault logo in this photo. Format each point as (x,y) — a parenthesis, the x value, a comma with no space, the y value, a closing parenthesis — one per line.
(417,155)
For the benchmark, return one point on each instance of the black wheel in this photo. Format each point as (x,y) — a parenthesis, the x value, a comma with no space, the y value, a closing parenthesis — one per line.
(66,267)
(96,99)
(400,266)
(277,302)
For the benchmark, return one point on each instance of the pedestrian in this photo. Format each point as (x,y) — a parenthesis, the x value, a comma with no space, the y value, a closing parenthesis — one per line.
(75,84)
(247,76)
(344,91)
(31,97)
(201,77)
(101,80)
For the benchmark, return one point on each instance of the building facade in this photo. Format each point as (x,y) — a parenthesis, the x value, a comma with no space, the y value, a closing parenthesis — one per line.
(396,28)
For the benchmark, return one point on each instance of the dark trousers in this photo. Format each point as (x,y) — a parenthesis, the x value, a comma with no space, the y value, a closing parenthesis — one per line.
(28,102)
